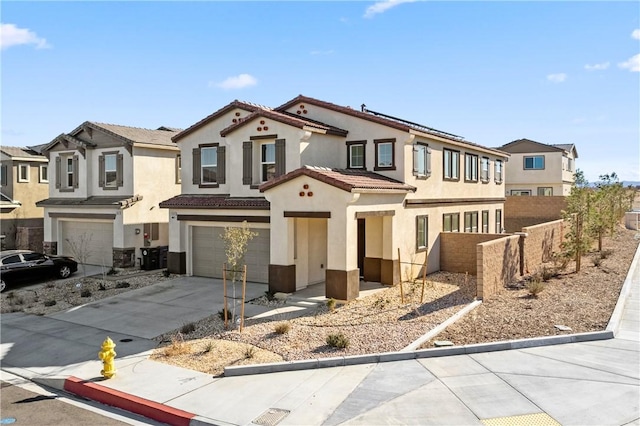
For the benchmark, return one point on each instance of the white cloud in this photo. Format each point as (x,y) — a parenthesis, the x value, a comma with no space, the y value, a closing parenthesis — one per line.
(636,34)
(321,52)
(10,35)
(632,64)
(383,6)
(237,82)
(557,78)
(597,67)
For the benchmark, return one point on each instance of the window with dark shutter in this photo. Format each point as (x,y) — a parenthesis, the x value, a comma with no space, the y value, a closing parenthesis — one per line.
(75,171)
(281,164)
(196,166)
(222,175)
(58,172)
(119,171)
(247,163)
(3,175)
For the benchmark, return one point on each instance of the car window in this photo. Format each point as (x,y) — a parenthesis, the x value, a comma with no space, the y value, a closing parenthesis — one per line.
(11,259)
(28,257)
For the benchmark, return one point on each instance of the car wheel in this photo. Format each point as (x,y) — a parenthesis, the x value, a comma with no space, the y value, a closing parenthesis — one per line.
(64,271)
(2,286)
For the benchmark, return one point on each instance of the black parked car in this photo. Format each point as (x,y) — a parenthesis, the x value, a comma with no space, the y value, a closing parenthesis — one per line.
(26,265)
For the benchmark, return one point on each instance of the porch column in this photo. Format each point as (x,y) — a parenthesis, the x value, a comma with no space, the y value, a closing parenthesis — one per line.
(342,275)
(389,266)
(177,256)
(282,270)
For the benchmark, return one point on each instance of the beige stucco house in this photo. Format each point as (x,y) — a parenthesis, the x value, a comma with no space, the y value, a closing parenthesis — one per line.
(24,180)
(106,182)
(334,194)
(539,169)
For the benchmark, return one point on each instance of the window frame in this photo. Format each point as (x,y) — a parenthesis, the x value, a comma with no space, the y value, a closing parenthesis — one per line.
(485,221)
(497,174)
(543,190)
(264,163)
(107,184)
(350,146)
(26,168)
(378,143)
(422,234)
(498,221)
(470,167)
(533,158)
(472,219)
(69,174)
(450,158)
(523,192)
(179,168)
(214,148)
(421,174)
(451,216)
(485,173)
(41,168)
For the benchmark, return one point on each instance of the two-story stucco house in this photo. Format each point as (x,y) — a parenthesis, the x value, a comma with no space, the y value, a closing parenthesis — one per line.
(334,193)
(24,180)
(539,169)
(106,182)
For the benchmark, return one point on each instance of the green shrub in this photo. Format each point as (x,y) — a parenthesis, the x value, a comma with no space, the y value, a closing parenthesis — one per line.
(331,304)
(338,340)
(535,287)
(85,293)
(112,271)
(282,328)
(208,347)
(548,273)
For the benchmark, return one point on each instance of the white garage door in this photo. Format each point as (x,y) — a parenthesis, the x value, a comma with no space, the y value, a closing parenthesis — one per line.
(93,238)
(208,253)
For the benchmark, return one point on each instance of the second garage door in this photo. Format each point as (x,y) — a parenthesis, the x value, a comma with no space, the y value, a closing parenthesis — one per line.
(94,239)
(208,253)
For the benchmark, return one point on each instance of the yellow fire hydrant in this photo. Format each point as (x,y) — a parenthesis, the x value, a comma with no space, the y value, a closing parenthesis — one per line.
(107,355)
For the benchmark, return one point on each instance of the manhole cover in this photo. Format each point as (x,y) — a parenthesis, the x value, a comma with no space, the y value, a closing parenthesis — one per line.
(271,417)
(538,419)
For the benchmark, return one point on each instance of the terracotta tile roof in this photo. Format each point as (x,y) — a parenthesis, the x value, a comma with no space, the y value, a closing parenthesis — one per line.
(286,118)
(385,120)
(195,201)
(247,106)
(350,180)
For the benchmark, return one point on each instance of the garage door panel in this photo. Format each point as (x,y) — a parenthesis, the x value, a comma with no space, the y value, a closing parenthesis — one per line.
(95,239)
(208,253)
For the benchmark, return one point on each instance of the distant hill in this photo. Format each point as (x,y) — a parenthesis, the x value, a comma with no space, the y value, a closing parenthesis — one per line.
(635,183)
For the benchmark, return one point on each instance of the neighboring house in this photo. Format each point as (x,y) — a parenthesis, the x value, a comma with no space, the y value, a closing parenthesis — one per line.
(24,180)
(539,169)
(333,193)
(106,182)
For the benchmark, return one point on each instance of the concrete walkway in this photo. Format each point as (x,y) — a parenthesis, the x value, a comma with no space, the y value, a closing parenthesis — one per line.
(587,383)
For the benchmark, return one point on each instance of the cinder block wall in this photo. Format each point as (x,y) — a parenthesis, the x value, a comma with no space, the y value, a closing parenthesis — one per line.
(458,250)
(498,264)
(540,242)
(520,212)
(29,238)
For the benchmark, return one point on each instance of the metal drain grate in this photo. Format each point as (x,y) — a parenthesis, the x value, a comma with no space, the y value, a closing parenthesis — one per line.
(538,419)
(271,417)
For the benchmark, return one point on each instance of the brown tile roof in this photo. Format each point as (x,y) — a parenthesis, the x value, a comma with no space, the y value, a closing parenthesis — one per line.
(14,151)
(88,202)
(132,134)
(247,106)
(345,179)
(385,120)
(286,118)
(194,201)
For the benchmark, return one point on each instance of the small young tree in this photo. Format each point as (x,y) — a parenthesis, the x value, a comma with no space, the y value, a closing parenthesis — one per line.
(579,204)
(81,249)
(236,242)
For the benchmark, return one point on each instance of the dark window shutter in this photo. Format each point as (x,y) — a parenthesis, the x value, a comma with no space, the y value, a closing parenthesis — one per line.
(280,157)
(76,165)
(119,171)
(196,166)
(428,161)
(58,171)
(247,163)
(3,175)
(222,175)
(155,231)
(101,171)
(416,158)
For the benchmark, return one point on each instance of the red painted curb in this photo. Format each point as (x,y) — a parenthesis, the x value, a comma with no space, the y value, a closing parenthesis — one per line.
(125,401)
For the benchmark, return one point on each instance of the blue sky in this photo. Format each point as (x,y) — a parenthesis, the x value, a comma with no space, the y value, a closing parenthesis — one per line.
(493,72)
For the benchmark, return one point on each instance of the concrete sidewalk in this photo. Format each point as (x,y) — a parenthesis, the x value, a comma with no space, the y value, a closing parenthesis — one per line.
(593,382)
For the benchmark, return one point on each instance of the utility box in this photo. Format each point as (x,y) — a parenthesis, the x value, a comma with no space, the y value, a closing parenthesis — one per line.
(150,258)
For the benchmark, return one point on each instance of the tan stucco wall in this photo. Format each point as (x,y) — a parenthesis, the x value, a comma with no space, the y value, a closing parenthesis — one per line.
(27,193)
(555,174)
(498,264)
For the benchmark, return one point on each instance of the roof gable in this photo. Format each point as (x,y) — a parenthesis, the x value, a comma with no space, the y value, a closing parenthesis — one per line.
(285,118)
(521,146)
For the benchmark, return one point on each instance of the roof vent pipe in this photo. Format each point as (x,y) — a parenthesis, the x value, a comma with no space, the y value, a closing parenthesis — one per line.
(363,107)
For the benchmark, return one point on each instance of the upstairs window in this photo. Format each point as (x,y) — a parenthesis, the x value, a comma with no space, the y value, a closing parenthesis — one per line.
(535,162)
(178,168)
(498,221)
(451,164)
(44,173)
(520,192)
(545,191)
(267,161)
(422,232)
(356,155)
(208,165)
(421,160)
(23,173)
(484,169)
(451,222)
(70,173)
(66,172)
(471,167)
(110,165)
(471,222)
(485,221)
(385,154)
(498,171)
